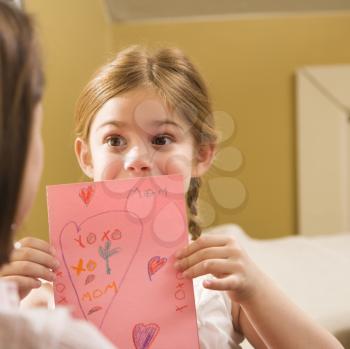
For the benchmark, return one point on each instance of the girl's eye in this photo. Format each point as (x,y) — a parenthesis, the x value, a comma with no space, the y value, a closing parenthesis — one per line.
(116,141)
(160,140)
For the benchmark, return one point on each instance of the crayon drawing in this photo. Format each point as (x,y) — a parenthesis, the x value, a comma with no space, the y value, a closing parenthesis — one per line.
(154,264)
(116,249)
(144,335)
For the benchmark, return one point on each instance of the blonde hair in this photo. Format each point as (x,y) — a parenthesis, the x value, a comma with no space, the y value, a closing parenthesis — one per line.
(172,75)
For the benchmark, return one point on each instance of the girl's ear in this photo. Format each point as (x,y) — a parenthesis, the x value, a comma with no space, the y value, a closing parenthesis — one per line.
(82,153)
(203,159)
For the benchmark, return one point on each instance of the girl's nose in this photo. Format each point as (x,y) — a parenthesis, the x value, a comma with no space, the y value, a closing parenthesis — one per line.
(138,162)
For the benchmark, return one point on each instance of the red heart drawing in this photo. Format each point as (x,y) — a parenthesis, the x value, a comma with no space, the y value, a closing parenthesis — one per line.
(86,194)
(154,264)
(144,335)
(97,260)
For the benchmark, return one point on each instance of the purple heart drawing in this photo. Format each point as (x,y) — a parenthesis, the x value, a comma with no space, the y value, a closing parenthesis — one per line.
(144,335)
(91,254)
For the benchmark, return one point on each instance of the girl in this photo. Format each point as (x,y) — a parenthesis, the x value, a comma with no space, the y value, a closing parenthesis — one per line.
(21,155)
(148,114)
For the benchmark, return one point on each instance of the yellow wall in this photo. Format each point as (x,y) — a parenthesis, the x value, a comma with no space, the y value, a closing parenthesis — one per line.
(74,41)
(249,65)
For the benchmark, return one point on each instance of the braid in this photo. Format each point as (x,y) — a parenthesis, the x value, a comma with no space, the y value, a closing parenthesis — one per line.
(191,199)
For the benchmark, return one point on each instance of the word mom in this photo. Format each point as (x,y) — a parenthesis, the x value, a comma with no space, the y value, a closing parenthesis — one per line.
(98,292)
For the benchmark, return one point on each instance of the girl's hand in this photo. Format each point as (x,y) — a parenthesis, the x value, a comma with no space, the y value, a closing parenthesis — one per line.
(222,257)
(31,261)
(42,297)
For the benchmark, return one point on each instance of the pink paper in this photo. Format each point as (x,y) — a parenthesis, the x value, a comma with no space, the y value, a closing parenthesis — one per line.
(116,242)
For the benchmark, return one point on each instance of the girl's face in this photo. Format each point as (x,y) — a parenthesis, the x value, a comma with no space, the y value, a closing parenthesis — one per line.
(33,167)
(135,135)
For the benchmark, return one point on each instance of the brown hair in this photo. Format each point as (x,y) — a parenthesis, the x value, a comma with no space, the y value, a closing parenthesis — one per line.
(172,75)
(21,83)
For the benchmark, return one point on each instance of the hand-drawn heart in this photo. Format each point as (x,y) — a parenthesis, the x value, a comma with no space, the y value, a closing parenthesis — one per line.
(154,264)
(90,252)
(86,194)
(144,335)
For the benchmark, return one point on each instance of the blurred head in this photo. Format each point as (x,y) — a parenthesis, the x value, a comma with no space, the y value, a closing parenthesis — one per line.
(21,83)
(144,114)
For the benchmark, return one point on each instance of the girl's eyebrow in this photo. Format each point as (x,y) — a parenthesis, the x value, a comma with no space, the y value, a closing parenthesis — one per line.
(119,124)
(165,122)
(155,123)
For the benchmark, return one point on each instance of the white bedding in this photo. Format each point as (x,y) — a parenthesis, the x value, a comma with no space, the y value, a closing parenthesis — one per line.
(313,271)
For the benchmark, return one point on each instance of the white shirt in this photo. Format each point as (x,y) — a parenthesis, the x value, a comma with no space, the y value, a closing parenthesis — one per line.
(214,319)
(41,328)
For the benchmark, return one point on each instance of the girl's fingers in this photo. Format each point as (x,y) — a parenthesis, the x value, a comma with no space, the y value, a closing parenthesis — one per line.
(35,243)
(225,284)
(25,284)
(222,252)
(29,269)
(34,255)
(202,242)
(216,267)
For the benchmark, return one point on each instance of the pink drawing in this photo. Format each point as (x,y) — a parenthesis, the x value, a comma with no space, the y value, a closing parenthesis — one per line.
(124,234)
(144,335)
(86,194)
(94,259)
(154,264)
